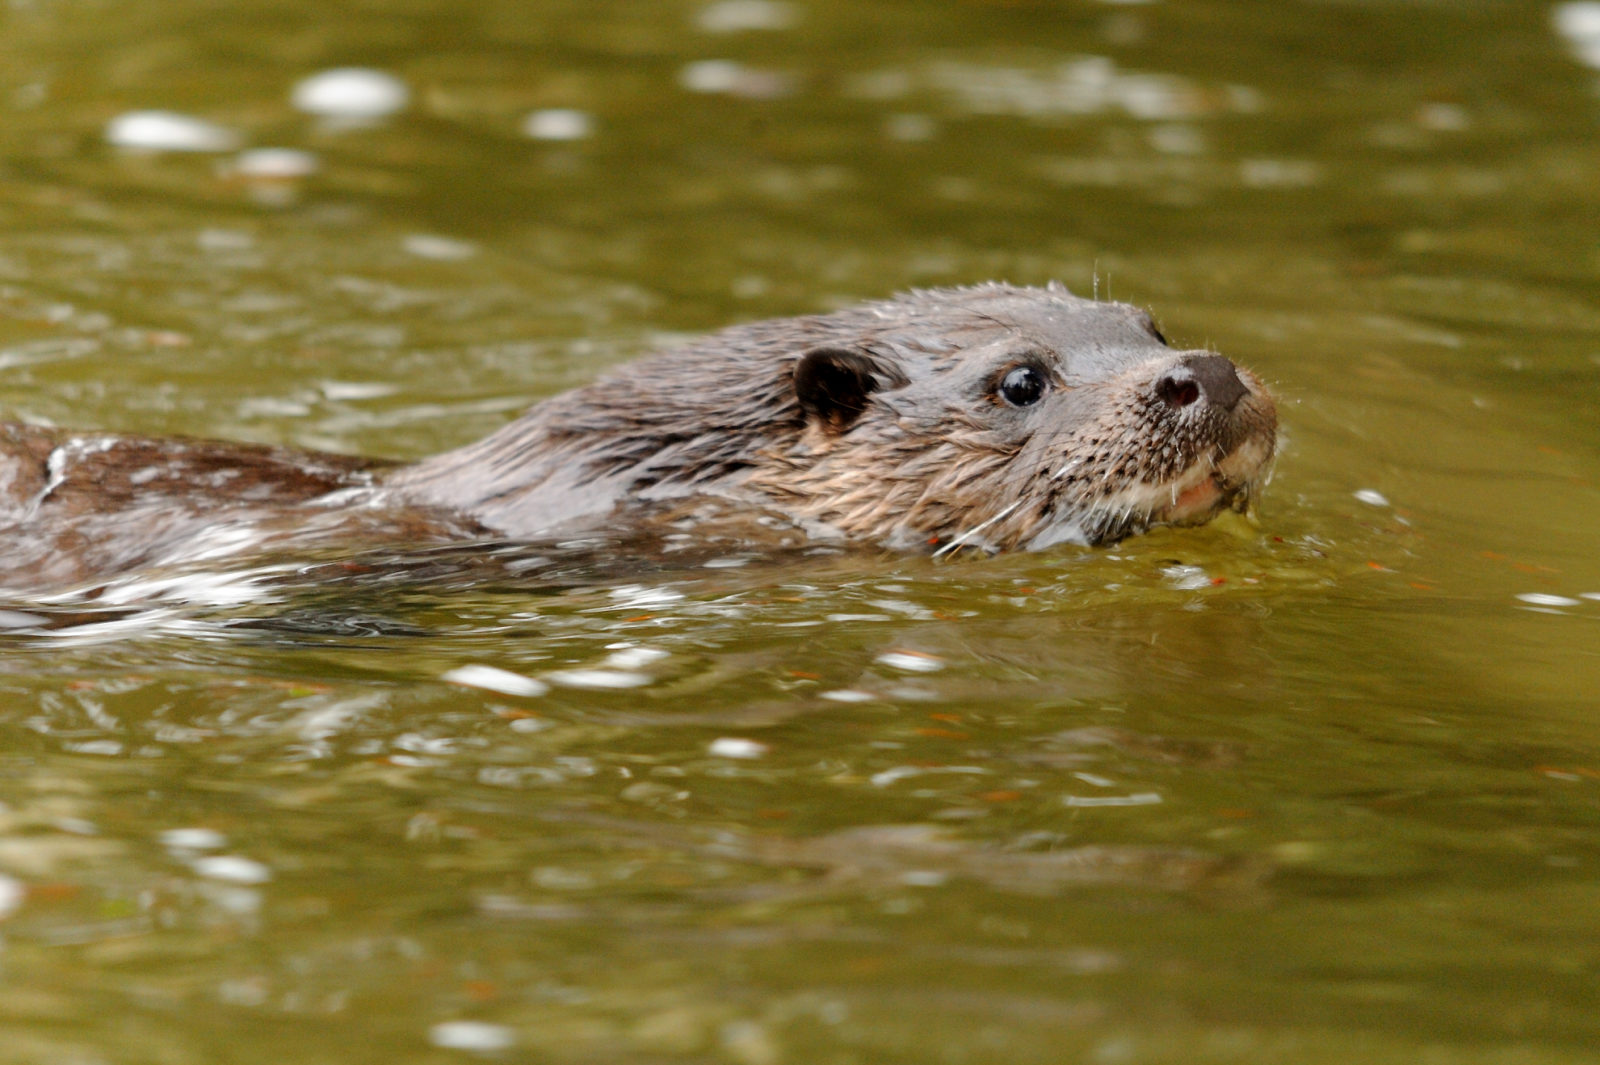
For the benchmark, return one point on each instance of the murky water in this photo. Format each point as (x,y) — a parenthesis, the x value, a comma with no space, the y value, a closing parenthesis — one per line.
(1321,789)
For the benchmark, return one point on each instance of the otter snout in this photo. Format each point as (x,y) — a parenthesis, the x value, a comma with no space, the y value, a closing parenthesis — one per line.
(1201,377)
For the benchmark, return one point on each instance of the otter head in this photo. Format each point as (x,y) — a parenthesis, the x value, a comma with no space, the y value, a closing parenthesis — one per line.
(1017,418)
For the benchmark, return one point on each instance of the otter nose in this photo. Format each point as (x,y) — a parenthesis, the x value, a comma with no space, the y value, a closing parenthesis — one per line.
(1209,377)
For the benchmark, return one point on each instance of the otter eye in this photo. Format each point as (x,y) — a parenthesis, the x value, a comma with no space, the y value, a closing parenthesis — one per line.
(1022,387)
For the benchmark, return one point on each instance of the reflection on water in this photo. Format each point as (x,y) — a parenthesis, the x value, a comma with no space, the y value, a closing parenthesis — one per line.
(1315,789)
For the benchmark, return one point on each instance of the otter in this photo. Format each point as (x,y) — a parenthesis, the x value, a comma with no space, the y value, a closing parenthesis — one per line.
(993,416)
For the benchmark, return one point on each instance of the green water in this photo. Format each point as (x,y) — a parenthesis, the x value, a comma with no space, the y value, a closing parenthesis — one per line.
(1318,789)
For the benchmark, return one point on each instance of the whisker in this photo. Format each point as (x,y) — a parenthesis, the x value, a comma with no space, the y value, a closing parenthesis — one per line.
(975,530)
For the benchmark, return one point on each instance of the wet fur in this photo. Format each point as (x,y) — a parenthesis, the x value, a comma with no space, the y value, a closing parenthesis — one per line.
(931,454)
(880,423)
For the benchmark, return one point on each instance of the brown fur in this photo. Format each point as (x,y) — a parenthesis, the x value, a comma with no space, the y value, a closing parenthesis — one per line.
(884,423)
(927,454)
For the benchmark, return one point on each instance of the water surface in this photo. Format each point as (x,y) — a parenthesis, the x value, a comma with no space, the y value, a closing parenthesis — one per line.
(1320,788)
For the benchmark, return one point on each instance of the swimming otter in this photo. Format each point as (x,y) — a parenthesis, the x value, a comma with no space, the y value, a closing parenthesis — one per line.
(994,416)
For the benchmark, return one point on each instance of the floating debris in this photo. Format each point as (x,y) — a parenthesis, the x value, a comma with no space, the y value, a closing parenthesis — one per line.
(1372,498)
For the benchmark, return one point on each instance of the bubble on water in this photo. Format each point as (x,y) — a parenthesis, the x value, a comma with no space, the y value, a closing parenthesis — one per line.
(909,127)
(599,679)
(912,661)
(734,16)
(733,562)
(1187,578)
(848,695)
(626,656)
(491,678)
(169,131)
(732,78)
(437,248)
(344,391)
(558,124)
(904,772)
(236,899)
(711,75)
(351,93)
(220,240)
(733,747)
(1545,599)
(272,176)
(276,164)
(635,595)
(1372,498)
(193,839)
(233,869)
(471,1035)
(1143,798)
(1443,118)
(12,894)
(1177,139)
(1579,23)
(750,1043)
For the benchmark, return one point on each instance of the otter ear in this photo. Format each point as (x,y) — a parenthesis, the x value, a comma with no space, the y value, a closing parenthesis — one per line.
(833,384)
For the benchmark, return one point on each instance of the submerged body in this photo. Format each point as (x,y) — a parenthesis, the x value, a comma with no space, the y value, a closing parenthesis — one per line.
(1001,417)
